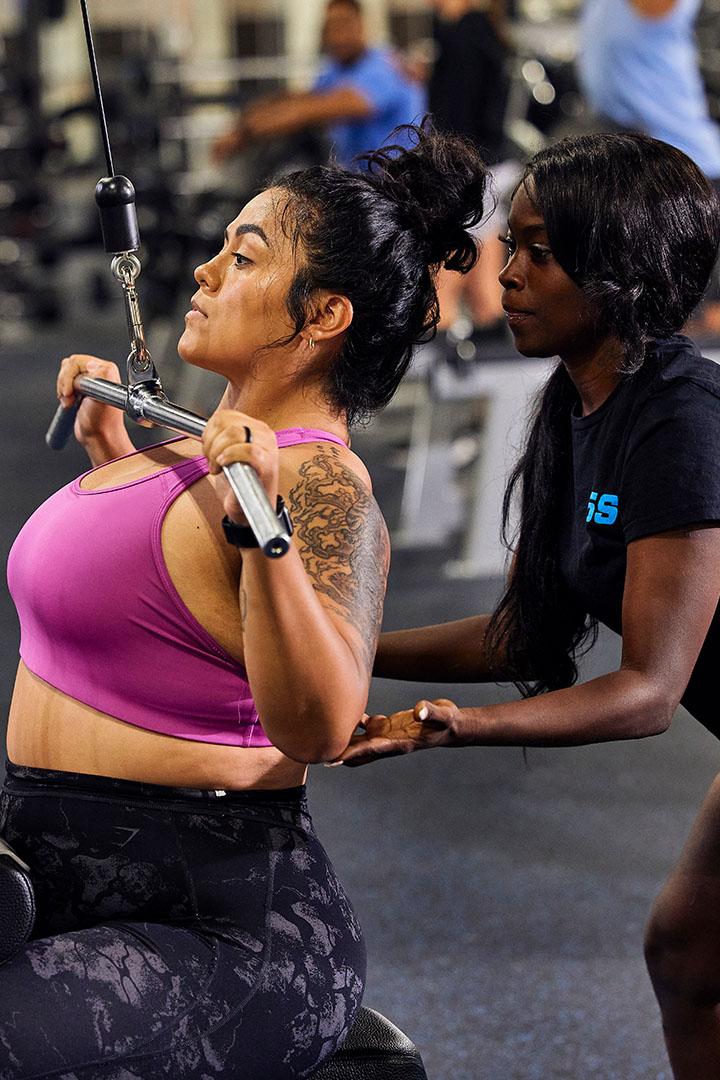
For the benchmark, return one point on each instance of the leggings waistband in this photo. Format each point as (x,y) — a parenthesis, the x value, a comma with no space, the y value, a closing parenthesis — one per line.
(25,779)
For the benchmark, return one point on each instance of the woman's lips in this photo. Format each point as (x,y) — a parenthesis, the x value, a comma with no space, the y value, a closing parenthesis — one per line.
(195,312)
(515,317)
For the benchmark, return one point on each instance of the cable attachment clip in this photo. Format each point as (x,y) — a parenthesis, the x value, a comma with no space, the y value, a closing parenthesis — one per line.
(140,369)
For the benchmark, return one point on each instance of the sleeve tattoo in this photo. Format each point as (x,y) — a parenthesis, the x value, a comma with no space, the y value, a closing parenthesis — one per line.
(346,543)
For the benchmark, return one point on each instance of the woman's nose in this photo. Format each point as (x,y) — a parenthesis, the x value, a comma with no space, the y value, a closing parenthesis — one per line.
(206,275)
(509,277)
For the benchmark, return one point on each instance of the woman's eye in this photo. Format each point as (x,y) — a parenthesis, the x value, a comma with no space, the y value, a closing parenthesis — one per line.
(507,241)
(539,252)
(240,260)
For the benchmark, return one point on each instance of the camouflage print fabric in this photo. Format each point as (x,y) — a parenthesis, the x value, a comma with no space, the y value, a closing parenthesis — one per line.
(180,933)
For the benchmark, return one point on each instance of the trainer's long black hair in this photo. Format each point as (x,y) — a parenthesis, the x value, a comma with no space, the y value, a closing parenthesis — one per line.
(378,235)
(635,224)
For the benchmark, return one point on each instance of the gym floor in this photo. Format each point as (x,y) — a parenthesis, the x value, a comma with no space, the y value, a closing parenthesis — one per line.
(503,900)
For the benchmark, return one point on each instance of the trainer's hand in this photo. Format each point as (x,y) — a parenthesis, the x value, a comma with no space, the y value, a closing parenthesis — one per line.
(429,724)
(96,425)
(225,441)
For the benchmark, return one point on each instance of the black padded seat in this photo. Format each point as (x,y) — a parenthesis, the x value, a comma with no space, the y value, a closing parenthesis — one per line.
(374,1050)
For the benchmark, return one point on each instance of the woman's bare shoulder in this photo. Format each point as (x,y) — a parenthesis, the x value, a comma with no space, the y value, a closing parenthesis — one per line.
(328,490)
(304,459)
(340,532)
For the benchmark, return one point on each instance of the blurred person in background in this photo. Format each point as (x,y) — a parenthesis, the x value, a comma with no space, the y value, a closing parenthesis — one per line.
(359,97)
(468,91)
(639,68)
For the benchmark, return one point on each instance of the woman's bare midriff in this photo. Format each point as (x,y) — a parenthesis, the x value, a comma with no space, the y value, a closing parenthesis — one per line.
(49,730)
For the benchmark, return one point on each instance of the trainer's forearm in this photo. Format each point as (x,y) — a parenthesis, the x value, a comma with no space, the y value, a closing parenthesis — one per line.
(624,704)
(447,652)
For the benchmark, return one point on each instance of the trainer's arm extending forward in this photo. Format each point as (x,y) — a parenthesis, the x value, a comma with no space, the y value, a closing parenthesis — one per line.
(446,652)
(671,592)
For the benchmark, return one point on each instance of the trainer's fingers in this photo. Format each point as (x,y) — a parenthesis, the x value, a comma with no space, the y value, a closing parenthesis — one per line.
(380,755)
(375,724)
(434,713)
(362,750)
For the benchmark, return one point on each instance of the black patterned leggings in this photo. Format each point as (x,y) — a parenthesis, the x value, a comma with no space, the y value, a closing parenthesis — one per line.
(180,933)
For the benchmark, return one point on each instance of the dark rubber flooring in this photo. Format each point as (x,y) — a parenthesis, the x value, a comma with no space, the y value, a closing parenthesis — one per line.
(503,902)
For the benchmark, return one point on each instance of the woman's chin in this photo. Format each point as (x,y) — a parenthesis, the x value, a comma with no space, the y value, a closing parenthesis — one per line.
(526,346)
(188,351)
(523,347)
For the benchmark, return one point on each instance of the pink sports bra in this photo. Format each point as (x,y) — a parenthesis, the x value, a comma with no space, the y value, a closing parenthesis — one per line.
(101,620)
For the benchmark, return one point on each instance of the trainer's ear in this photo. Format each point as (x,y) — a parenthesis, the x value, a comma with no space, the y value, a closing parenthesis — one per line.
(332,317)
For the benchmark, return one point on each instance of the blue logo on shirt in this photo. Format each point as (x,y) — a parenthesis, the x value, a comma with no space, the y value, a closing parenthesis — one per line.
(603,510)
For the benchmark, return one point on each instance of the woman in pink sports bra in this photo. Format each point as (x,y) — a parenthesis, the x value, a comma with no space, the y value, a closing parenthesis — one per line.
(175,683)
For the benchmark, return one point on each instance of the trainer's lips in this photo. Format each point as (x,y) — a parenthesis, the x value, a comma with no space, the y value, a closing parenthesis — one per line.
(516,316)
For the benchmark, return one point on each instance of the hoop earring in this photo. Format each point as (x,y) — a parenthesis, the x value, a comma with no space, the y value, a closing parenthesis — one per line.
(311,343)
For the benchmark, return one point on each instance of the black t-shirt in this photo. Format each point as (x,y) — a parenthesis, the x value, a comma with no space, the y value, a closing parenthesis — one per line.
(645,462)
(468,89)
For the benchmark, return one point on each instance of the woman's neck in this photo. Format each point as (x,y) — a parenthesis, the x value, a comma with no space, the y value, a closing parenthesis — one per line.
(280,411)
(595,374)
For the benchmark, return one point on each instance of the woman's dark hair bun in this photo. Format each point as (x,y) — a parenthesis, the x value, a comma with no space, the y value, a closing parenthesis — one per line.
(438,189)
(377,235)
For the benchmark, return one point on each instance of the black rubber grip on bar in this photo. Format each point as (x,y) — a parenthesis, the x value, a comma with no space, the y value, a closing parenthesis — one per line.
(61,425)
(115,198)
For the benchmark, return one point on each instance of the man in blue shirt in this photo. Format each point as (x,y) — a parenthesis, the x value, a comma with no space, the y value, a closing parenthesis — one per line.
(638,65)
(360,95)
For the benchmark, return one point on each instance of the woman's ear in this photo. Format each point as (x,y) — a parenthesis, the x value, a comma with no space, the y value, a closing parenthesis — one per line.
(332,317)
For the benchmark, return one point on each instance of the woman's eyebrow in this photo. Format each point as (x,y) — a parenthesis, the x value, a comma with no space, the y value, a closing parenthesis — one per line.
(242,230)
(528,232)
(538,226)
